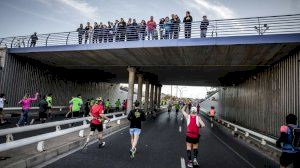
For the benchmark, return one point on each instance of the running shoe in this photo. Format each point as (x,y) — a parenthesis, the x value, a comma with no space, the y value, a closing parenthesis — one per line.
(101,145)
(190,164)
(132,153)
(195,162)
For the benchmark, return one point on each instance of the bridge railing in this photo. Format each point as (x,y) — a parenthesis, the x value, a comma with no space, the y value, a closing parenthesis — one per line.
(11,143)
(282,24)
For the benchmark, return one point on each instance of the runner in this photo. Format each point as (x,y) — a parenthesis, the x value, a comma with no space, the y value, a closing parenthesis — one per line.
(177,107)
(25,102)
(169,108)
(136,116)
(2,102)
(107,106)
(43,106)
(212,114)
(194,122)
(87,108)
(76,106)
(70,108)
(290,138)
(97,114)
(118,103)
(198,108)
(49,108)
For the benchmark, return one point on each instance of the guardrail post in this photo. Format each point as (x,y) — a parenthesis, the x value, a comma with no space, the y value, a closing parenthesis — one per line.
(9,138)
(47,40)
(58,128)
(67,38)
(228,125)
(119,122)
(247,134)
(263,142)
(41,146)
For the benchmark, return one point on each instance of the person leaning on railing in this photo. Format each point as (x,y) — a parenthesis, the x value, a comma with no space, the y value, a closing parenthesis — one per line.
(161,28)
(203,26)
(129,30)
(33,38)
(175,28)
(96,33)
(88,32)
(167,27)
(81,32)
(142,30)
(122,29)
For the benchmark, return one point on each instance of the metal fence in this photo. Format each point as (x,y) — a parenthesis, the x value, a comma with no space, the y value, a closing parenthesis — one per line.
(283,24)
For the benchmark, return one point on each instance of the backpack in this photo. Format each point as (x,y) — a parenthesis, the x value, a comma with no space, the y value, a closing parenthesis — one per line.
(295,139)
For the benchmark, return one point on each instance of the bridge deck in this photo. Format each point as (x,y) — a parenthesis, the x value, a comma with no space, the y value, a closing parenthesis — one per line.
(162,145)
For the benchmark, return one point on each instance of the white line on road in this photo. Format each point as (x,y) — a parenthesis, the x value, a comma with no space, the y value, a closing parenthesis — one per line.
(75,150)
(182,162)
(245,160)
(180,129)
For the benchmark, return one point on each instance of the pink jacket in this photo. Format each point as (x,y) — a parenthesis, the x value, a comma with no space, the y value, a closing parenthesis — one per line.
(26,102)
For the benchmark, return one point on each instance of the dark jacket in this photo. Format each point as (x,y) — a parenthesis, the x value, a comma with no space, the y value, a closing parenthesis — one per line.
(43,106)
(204,24)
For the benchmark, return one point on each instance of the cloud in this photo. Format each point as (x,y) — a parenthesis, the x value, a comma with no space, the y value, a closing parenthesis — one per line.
(83,7)
(216,8)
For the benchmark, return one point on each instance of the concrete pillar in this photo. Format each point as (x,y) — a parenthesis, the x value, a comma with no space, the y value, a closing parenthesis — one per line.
(159,96)
(131,71)
(140,87)
(146,105)
(151,95)
(155,94)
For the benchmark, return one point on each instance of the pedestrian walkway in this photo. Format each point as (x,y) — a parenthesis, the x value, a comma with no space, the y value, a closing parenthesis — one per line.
(162,144)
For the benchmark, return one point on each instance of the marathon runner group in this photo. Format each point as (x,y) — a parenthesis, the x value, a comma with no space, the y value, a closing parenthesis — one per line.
(289,140)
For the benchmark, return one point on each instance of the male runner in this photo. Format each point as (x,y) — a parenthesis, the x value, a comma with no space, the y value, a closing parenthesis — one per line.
(212,114)
(49,108)
(2,102)
(194,122)
(177,107)
(136,116)
(76,105)
(97,115)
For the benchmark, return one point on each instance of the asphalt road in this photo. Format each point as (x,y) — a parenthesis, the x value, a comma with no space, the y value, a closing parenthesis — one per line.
(162,145)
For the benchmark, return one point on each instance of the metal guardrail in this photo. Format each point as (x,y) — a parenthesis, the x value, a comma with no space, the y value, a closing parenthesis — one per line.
(248,133)
(32,108)
(11,144)
(281,24)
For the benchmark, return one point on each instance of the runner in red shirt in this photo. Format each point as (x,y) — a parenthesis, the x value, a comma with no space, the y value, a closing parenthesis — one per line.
(194,122)
(98,118)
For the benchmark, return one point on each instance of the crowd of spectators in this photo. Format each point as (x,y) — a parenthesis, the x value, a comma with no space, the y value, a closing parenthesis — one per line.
(167,28)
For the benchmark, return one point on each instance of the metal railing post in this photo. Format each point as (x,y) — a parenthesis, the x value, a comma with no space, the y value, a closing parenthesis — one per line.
(259,29)
(67,38)
(47,39)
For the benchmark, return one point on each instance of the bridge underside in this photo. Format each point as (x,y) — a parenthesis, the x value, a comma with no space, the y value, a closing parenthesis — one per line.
(205,62)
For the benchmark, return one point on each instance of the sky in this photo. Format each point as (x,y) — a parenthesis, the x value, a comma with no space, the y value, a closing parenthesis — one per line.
(23,17)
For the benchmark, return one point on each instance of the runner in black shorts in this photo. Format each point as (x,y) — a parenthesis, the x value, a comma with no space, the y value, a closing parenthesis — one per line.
(98,118)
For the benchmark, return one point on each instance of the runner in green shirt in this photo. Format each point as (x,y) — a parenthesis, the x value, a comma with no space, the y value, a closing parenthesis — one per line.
(107,105)
(118,103)
(49,101)
(76,105)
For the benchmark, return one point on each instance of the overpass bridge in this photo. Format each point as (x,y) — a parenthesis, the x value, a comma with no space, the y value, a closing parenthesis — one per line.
(254,62)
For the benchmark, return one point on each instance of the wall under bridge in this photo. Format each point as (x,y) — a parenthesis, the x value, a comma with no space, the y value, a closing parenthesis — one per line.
(264,99)
(22,75)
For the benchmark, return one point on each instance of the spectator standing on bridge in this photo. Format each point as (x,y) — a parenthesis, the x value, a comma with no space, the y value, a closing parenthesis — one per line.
(88,32)
(188,19)
(98,118)
(49,108)
(34,38)
(118,103)
(151,27)
(122,29)
(161,28)
(135,116)
(81,32)
(129,30)
(2,102)
(110,28)
(25,102)
(176,26)
(97,33)
(289,142)
(194,122)
(116,31)
(167,27)
(76,105)
(142,30)
(203,26)
(135,26)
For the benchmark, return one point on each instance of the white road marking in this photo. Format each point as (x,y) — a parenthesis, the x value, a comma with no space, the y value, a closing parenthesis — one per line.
(182,163)
(245,160)
(75,150)
(180,129)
